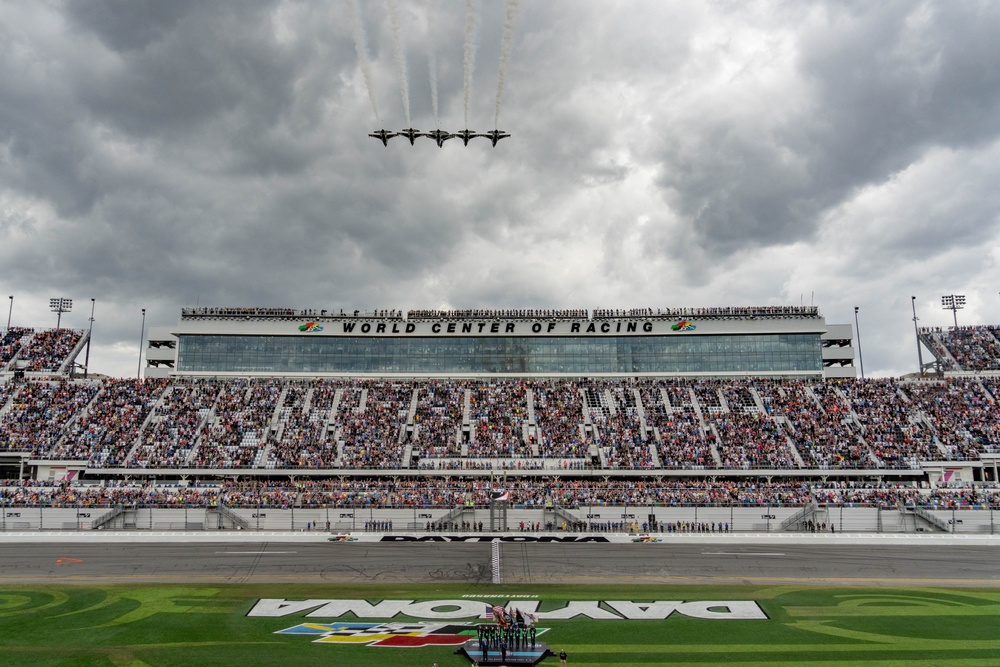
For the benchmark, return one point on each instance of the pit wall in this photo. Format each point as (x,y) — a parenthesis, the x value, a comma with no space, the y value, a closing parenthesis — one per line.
(599,519)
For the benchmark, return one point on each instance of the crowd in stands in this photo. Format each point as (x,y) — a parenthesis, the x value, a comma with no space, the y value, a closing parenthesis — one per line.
(717,312)
(498,411)
(37,415)
(491,314)
(284,313)
(971,348)
(626,424)
(42,351)
(437,424)
(526,492)
(558,412)
(10,344)
(370,425)
(302,437)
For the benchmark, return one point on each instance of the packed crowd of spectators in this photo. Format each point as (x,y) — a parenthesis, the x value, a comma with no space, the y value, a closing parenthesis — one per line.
(492,314)
(37,414)
(109,423)
(716,312)
(48,350)
(628,424)
(170,439)
(10,344)
(371,424)
(974,348)
(499,411)
(238,424)
(437,424)
(524,492)
(558,410)
(301,438)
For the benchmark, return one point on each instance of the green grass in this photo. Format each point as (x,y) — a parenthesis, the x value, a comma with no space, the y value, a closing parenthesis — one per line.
(177,626)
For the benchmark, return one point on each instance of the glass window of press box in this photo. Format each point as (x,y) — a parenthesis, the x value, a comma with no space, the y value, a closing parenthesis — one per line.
(765,353)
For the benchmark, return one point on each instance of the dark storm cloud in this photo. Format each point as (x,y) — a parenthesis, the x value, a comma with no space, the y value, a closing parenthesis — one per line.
(883,84)
(158,154)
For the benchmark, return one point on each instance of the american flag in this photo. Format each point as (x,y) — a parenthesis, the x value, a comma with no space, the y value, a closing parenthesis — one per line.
(489,613)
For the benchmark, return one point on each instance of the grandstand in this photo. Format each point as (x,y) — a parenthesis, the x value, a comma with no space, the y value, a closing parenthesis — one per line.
(262,406)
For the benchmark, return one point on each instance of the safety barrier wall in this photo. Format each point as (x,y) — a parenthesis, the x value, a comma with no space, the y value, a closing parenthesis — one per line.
(602,519)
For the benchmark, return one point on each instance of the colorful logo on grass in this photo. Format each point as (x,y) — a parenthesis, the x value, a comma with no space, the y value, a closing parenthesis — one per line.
(646,538)
(310,326)
(342,538)
(683,325)
(396,635)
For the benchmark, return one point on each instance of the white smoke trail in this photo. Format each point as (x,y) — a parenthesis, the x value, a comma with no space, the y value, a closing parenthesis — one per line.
(397,44)
(361,46)
(508,38)
(432,61)
(471,34)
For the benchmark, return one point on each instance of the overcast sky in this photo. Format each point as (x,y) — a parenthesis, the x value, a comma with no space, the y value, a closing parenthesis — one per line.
(165,154)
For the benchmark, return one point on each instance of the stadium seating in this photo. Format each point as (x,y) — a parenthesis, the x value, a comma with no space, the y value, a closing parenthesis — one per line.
(627,424)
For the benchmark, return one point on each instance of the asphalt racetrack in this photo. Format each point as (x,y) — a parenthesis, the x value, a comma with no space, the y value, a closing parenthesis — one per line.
(717,562)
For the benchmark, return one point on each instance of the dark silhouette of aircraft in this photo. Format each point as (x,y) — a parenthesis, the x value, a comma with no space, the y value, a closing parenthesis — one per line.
(383,136)
(440,136)
(465,135)
(411,134)
(495,136)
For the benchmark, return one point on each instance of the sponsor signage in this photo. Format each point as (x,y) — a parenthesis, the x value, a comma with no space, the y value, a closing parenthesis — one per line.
(465,608)
(518,327)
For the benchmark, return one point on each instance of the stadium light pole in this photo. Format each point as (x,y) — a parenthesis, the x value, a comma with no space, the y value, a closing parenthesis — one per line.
(90,336)
(857,329)
(10,311)
(954,303)
(142,334)
(59,306)
(920,356)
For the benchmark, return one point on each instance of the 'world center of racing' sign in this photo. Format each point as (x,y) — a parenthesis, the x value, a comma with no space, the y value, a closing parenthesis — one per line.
(440,610)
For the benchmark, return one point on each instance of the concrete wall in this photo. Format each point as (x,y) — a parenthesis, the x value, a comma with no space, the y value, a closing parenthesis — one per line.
(739,519)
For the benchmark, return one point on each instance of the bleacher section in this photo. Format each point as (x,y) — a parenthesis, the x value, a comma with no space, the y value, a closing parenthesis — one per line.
(973,349)
(642,425)
(45,351)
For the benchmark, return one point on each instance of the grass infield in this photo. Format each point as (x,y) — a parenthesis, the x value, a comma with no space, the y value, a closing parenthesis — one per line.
(176,626)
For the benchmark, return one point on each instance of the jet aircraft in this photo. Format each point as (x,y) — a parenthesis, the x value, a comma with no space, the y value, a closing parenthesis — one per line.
(440,136)
(383,136)
(465,135)
(495,136)
(411,134)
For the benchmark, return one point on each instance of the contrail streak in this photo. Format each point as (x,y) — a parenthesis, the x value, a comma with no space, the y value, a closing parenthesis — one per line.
(471,33)
(508,38)
(397,43)
(361,46)
(432,61)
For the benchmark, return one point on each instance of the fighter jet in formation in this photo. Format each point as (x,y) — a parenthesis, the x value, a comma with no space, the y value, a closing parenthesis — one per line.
(440,136)
(411,134)
(495,136)
(465,135)
(383,136)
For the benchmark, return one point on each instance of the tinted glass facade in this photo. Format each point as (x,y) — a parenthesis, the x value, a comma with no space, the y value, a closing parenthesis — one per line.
(723,354)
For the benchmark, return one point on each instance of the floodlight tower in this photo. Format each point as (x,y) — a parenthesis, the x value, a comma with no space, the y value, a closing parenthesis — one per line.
(142,335)
(954,303)
(90,335)
(916,331)
(857,329)
(59,306)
